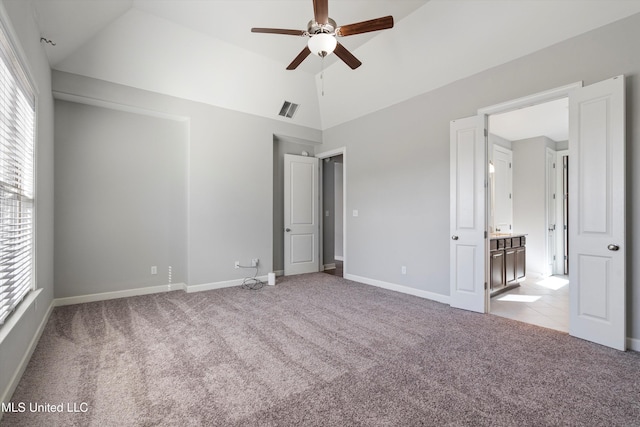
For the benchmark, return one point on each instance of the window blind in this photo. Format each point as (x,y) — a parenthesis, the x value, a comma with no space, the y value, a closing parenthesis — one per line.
(17,136)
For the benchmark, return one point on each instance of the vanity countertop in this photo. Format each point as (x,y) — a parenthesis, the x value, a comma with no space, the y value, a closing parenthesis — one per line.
(505,235)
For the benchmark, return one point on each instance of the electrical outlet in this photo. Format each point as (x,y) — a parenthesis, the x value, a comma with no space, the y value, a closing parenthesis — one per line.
(254,262)
(154,269)
(404,269)
(237,264)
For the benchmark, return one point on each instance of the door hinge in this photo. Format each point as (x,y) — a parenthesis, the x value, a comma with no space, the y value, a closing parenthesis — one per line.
(554,197)
(509,195)
(554,165)
(509,165)
(485,234)
(485,286)
(486,132)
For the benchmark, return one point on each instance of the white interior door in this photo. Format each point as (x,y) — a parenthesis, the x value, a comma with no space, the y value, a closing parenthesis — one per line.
(597,213)
(301,244)
(467,221)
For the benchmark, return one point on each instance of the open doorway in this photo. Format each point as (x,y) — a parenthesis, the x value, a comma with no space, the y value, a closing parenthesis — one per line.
(333,196)
(527,215)
(333,214)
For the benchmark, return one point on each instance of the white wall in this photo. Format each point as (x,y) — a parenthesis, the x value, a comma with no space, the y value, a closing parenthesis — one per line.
(15,347)
(399,159)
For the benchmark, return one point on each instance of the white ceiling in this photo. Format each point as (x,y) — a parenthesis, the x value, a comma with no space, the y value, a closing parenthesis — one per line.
(550,119)
(203,50)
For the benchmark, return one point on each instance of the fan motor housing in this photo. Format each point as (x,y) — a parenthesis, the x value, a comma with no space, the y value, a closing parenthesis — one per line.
(315,28)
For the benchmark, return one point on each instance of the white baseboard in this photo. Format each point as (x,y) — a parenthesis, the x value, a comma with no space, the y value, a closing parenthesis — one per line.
(633,344)
(338,258)
(399,288)
(331,266)
(279,273)
(17,375)
(218,285)
(103,296)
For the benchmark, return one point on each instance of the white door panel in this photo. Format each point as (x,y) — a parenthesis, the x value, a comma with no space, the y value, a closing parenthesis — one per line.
(597,213)
(301,210)
(467,210)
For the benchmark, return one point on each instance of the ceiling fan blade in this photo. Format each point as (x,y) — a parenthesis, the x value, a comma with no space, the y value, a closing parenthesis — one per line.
(365,26)
(301,57)
(278,31)
(348,58)
(321,11)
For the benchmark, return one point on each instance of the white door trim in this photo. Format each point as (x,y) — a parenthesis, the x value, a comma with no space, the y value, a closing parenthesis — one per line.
(529,100)
(325,155)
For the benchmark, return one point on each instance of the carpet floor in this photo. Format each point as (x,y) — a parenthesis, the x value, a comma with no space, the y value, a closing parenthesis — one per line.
(315,350)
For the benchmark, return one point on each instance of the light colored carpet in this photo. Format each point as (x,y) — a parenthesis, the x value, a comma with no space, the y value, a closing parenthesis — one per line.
(317,350)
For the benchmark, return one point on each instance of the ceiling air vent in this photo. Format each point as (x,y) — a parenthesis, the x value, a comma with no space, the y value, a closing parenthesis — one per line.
(288,109)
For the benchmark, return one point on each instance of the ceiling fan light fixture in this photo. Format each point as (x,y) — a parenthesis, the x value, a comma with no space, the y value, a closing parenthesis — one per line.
(322,44)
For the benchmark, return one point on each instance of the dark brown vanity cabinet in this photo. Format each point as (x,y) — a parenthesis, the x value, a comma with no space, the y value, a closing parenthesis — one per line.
(507,263)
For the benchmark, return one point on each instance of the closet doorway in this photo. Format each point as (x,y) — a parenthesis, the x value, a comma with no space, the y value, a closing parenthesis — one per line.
(333,200)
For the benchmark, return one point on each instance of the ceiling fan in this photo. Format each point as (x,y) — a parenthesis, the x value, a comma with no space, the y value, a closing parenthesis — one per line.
(322,32)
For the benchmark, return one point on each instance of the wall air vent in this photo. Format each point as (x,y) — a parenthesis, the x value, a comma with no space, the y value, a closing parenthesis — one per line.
(288,109)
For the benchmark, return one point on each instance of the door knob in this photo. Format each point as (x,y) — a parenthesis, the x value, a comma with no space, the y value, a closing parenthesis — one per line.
(454,237)
(287,230)
(613,247)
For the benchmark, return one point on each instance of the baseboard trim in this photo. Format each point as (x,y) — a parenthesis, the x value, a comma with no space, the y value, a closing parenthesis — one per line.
(399,288)
(338,258)
(331,266)
(633,344)
(218,285)
(17,375)
(103,296)
(279,273)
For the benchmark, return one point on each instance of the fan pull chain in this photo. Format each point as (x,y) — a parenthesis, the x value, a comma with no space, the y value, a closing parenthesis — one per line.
(322,76)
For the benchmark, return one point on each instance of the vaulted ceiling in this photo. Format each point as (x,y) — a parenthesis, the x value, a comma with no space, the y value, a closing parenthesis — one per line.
(203,50)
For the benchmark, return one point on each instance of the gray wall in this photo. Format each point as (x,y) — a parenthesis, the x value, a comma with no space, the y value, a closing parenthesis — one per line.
(229,176)
(17,342)
(398,172)
(121,189)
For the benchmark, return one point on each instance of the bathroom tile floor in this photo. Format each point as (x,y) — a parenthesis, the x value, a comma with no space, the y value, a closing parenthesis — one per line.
(543,302)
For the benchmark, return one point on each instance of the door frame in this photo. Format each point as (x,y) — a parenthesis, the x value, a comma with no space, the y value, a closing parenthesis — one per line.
(560,214)
(551,219)
(514,104)
(321,156)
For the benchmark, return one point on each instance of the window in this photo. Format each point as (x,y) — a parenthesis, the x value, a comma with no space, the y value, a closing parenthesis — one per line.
(17,136)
